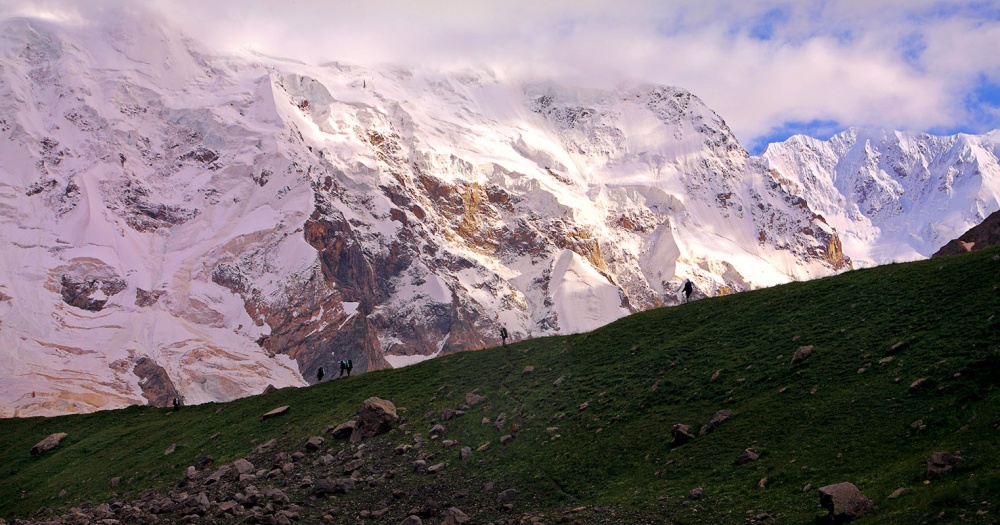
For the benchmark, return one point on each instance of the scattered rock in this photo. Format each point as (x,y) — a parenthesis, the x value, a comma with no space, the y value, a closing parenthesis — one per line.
(436,431)
(465,453)
(472,399)
(324,486)
(940,464)
(559,381)
(584,405)
(896,348)
(719,418)
(170,450)
(844,502)
(715,375)
(266,447)
(696,493)
(802,354)
(454,516)
(411,520)
(344,430)
(314,443)
(436,468)
(762,484)
(243,466)
(528,370)
(748,456)
(274,413)
(115,481)
(681,434)
(917,384)
(268,390)
(507,438)
(48,443)
(377,416)
(655,386)
(353,465)
(217,475)
(898,492)
(448,414)
(507,496)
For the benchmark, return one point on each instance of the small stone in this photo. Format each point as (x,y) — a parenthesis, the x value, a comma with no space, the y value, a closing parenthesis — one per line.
(898,492)
(696,493)
(748,456)
(715,375)
(314,443)
(243,466)
(584,405)
(802,354)
(170,450)
(411,520)
(940,464)
(483,447)
(559,381)
(115,481)
(47,444)
(916,384)
(275,412)
(681,434)
(436,431)
(465,453)
(528,370)
(472,399)
(844,502)
(507,496)
(436,468)
(266,447)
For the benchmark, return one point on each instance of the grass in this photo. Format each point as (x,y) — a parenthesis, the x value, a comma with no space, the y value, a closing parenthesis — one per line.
(841,415)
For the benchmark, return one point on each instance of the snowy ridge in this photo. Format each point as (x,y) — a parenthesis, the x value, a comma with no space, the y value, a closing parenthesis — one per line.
(893,196)
(240,221)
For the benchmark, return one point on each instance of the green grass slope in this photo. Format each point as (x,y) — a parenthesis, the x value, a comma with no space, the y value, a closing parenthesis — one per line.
(845,414)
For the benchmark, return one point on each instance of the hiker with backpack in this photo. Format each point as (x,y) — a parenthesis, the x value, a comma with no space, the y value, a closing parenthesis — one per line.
(688,290)
(504,335)
(319,374)
(345,366)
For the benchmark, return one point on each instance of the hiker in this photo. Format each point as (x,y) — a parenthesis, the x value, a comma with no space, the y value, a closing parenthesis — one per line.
(177,405)
(319,374)
(688,290)
(504,335)
(345,366)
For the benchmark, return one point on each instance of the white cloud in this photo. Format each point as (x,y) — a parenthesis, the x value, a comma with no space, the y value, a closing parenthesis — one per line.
(906,64)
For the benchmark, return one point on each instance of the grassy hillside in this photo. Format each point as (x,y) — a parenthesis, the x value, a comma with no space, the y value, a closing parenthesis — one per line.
(844,414)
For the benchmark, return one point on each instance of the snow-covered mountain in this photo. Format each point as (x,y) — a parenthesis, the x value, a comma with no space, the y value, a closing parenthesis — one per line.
(892,196)
(177,223)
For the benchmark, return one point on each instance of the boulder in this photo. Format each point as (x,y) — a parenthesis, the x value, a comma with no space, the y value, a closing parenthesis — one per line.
(454,516)
(48,443)
(353,465)
(844,502)
(472,399)
(802,354)
(412,520)
(696,493)
(266,447)
(719,418)
(507,496)
(448,414)
(243,466)
(940,464)
(465,453)
(377,416)
(274,413)
(314,443)
(268,390)
(681,434)
(344,430)
(436,431)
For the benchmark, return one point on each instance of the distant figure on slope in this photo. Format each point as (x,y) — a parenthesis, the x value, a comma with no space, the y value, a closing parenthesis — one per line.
(504,335)
(177,404)
(688,290)
(345,366)
(319,374)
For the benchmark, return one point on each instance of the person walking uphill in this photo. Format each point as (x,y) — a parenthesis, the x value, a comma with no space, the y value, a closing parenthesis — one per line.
(504,335)
(319,374)
(688,290)
(345,366)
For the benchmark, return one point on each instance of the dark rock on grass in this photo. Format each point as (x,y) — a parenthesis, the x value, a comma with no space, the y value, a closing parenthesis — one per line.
(344,430)
(681,435)
(454,516)
(802,354)
(243,466)
(465,453)
(719,418)
(324,486)
(266,447)
(696,493)
(269,390)
(748,456)
(940,464)
(47,444)
(314,443)
(844,502)
(412,520)
(436,431)
(274,413)
(377,416)
(472,399)
(507,496)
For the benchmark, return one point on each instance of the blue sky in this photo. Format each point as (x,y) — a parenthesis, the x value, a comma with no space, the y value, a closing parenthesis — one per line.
(770,68)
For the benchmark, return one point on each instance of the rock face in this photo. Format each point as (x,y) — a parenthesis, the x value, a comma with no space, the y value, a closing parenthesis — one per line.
(983,235)
(47,444)
(844,502)
(155,383)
